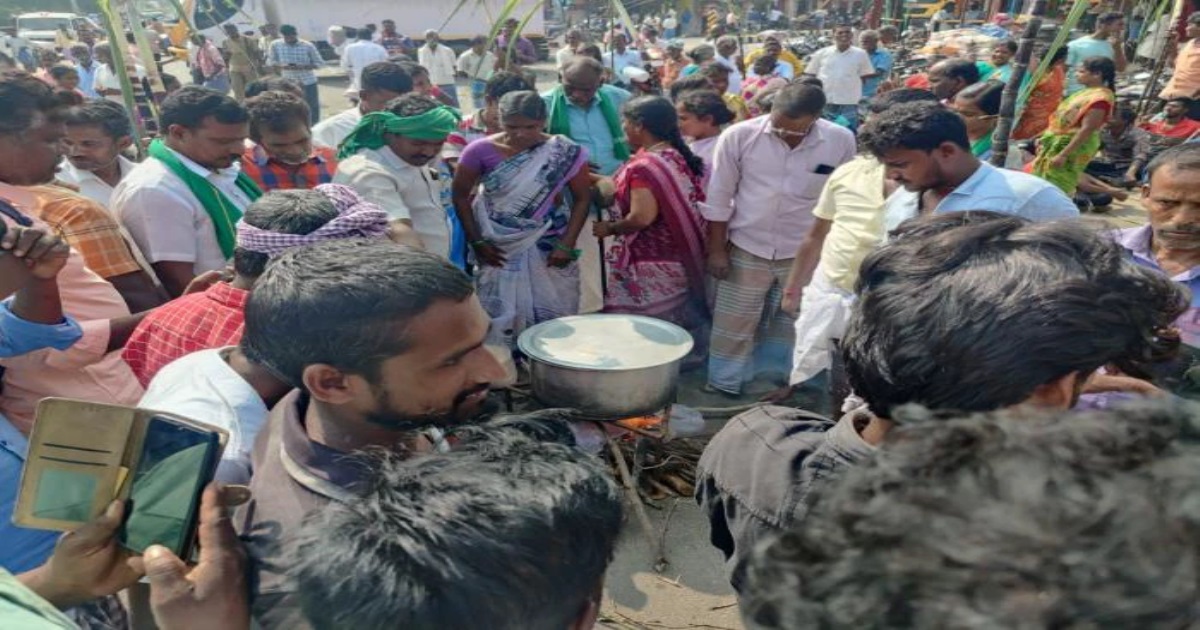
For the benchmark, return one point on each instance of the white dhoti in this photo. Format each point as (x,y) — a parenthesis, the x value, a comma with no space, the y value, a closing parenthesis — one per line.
(824,315)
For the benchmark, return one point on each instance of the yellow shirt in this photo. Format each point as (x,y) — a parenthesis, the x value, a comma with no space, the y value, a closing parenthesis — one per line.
(853,200)
(786,56)
(737,105)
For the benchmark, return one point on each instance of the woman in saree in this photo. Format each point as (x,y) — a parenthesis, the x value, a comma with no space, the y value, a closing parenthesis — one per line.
(1073,137)
(521,227)
(1044,99)
(656,263)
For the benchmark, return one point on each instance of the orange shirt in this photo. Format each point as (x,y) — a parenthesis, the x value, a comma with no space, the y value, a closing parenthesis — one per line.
(84,371)
(1185,81)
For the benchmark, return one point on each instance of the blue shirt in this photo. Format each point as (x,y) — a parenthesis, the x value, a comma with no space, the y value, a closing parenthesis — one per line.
(87,79)
(989,188)
(21,549)
(883,62)
(590,129)
(18,336)
(1081,49)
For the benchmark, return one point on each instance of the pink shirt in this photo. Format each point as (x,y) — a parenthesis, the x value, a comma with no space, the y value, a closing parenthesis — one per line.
(84,371)
(766,190)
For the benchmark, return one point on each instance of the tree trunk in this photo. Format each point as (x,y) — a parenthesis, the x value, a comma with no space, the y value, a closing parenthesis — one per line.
(1012,91)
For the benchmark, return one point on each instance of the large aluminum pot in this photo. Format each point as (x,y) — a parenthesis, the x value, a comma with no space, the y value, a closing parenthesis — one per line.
(606,366)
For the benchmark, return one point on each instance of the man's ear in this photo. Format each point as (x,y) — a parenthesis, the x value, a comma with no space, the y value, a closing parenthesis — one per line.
(1060,393)
(329,384)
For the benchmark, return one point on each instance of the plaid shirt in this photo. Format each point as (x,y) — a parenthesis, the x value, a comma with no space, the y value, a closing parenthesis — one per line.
(271,174)
(212,319)
(301,53)
(88,228)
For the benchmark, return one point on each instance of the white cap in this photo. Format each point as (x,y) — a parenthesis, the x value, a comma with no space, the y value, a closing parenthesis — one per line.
(635,74)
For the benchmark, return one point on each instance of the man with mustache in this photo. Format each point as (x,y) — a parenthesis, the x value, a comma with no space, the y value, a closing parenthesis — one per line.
(283,156)
(97,133)
(381,342)
(182,204)
(388,159)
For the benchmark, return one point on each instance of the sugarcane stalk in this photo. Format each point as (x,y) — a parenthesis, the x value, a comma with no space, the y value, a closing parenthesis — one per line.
(1012,91)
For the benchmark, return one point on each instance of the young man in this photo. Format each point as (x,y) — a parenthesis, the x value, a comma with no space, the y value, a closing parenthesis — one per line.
(393,41)
(381,83)
(244,57)
(1185,80)
(98,132)
(382,342)
(440,61)
(958,312)
(986,504)
(30,151)
(1108,40)
(767,175)
(389,164)
(524,50)
(183,352)
(360,54)
(1124,150)
(182,204)
(298,60)
(521,506)
(842,68)
(283,156)
(1172,126)
(926,150)
(477,65)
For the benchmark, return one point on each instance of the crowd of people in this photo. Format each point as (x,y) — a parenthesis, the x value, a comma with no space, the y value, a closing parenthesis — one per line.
(341,294)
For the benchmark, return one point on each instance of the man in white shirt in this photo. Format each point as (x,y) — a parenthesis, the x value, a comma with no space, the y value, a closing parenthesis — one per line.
(478,65)
(389,166)
(571,43)
(97,133)
(106,82)
(182,204)
(381,83)
(842,68)
(727,50)
(440,61)
(621,57)
(359,55)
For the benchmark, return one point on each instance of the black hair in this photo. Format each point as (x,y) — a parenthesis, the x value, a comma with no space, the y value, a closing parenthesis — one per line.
(914,126)
(504,82)
(764,64)
(288,29)
(1108,17)
(891,98)
(110,117)
(412,105)
(413,68)
(702,103)
(22,98)
(1194,18)
(963,69)
(1126,114)
(1103,66)
(1021,518)
(986,96)
(277,112)
(1182,156)
(363,34)
(68,98)
(809,79)
(525,103)
(973,311)
(504,528)
(1060,54)
(591,51)
(171,81)
(658,117)
(710,68)
(690,83)
(1182,100)
(797,99)
(386,76)
(193,104)
(1010,45)
(275,84)
(58,73)
(343,303)
(284,212)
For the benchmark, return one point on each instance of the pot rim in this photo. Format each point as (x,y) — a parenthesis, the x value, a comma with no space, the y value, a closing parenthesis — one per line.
(527,340)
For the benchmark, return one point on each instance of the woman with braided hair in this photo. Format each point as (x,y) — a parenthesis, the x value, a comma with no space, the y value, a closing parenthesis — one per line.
(656,264)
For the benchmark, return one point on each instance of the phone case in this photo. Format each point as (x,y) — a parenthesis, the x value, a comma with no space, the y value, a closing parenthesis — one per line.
(82,456)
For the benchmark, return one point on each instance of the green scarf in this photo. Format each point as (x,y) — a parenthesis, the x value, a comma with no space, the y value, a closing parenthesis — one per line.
(431,126)
(982,145)
(223,212)
(560,124)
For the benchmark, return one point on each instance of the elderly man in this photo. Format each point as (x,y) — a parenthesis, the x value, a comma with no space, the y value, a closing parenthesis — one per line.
(842,68)
(387,159)
(588,112)
(767,175)
(441,62)
(619,58)
(477,65)
(86,66)
(727,55)
(881,59)
(950,76)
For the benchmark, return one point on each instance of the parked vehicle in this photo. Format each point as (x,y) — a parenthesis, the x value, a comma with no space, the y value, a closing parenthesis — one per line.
(40,27)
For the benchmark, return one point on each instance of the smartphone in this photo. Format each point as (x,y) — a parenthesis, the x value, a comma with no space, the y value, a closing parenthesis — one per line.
(177,461)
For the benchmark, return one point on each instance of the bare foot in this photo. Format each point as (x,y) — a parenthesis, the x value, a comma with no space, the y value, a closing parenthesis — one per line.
(778,396)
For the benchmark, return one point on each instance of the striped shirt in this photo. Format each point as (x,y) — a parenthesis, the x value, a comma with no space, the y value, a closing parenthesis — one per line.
(302,54)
